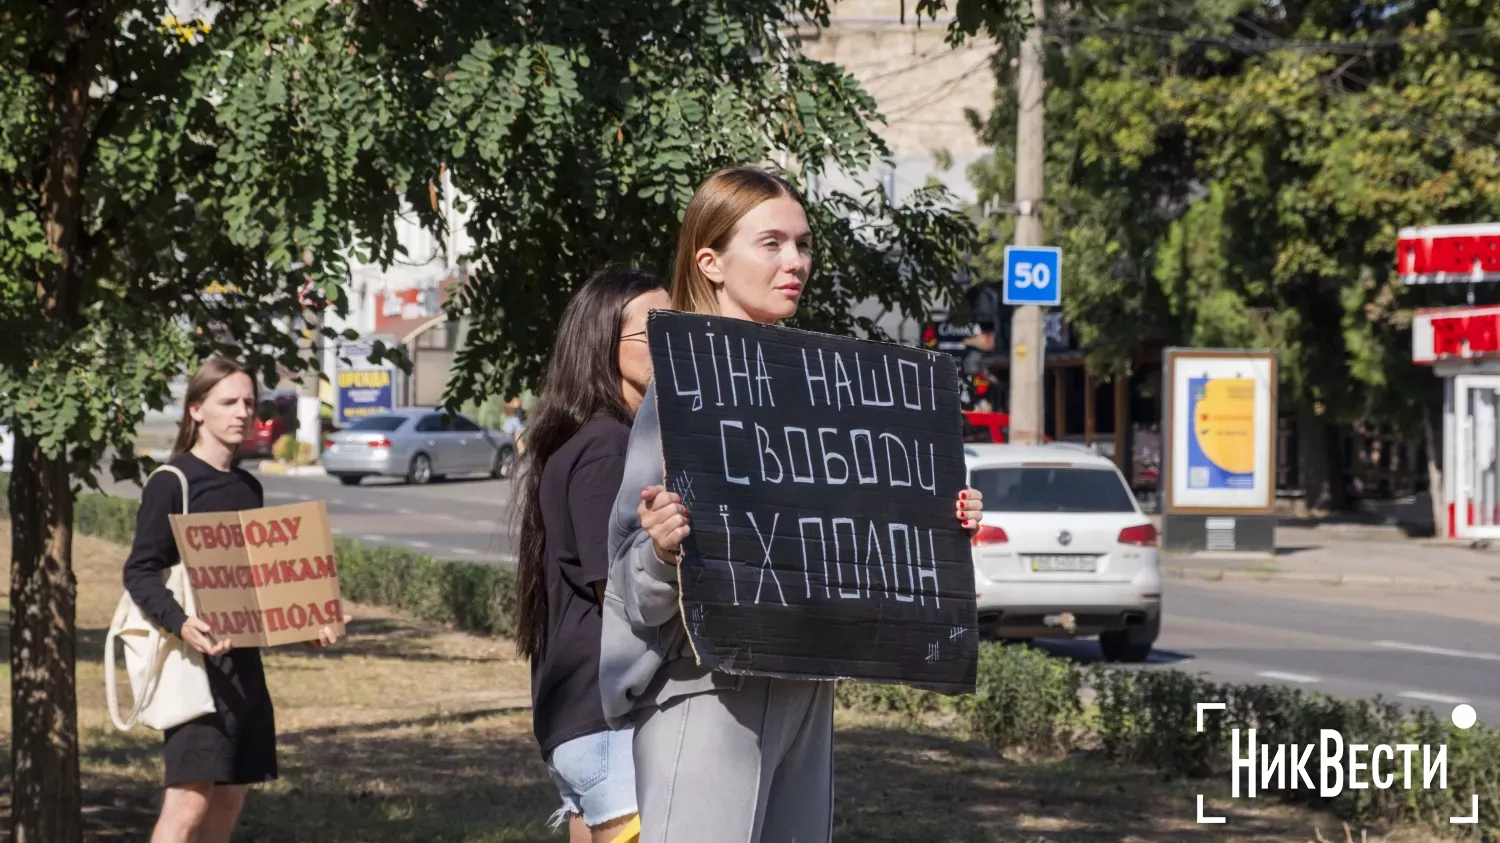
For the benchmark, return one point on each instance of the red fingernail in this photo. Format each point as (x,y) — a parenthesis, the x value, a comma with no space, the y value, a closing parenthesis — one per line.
(963,496)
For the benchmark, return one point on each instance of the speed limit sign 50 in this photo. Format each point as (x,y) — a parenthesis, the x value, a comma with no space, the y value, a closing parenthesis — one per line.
(1033,275)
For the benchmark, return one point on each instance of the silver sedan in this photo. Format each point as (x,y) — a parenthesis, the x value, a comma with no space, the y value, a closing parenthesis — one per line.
(418,444)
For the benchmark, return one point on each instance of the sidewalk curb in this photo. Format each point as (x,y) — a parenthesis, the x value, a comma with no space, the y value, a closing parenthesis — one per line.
(1331,579)
(282,470)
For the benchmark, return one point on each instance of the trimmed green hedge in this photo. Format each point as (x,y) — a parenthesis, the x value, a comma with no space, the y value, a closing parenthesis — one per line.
(1046,706)
(471,597)
(1025,700)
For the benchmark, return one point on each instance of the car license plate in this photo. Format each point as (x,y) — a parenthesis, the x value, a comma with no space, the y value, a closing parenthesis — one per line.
(1064,564)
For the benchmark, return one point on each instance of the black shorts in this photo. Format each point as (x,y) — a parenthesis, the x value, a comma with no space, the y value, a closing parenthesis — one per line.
(236,745)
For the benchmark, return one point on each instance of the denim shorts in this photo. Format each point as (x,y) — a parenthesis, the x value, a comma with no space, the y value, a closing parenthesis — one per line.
(595,776)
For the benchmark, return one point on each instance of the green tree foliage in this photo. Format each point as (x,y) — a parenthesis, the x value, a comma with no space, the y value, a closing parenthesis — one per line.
(148,160)
(1233,174)
(578,137)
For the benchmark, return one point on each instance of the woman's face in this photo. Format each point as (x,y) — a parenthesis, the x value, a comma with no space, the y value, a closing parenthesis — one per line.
(761,273)
(635,355)
(226,410)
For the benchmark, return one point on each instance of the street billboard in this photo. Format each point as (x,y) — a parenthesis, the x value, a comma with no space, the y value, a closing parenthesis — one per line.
(1221,421)
(361,388)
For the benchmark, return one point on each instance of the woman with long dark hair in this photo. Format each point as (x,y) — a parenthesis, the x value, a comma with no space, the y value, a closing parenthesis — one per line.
(210,760)
(718,757)
(575,456)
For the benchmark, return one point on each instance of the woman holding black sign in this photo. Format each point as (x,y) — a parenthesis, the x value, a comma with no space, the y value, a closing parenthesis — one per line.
(209,760)
(718,757)
(595,380)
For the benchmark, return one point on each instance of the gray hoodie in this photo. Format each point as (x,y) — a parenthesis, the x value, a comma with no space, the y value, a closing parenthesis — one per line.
(644,656)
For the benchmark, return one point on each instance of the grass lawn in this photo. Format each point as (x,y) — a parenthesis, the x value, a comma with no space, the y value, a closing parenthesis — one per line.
(411,732)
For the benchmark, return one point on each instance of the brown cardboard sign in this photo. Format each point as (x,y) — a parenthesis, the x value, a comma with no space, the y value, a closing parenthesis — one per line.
(821,473)
(262,577)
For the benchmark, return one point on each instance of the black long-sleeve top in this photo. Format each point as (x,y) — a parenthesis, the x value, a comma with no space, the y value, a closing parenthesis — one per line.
(154,549)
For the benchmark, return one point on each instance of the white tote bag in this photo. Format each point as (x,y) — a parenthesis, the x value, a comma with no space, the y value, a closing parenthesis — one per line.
(167,676)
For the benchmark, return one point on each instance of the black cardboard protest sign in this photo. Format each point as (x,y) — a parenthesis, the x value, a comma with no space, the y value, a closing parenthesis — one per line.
(821,474)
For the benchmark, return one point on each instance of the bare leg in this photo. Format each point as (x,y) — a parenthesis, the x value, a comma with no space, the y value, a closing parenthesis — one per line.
(183,810)
(607,832)
(577,831)
(223,812)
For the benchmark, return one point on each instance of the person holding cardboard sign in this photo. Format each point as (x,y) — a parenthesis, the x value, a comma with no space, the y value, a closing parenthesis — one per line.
(595,378)
(718,756)
(211,759)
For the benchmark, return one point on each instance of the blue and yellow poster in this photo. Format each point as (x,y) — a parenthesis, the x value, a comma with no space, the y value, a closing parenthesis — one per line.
(365,392)
(1220,411)
(1221,440)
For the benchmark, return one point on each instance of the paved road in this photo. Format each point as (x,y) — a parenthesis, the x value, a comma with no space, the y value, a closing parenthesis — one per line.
(1431,648)
(467,520)
(1332,640)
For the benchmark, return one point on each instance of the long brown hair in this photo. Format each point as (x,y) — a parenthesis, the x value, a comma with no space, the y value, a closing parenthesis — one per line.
(582,381)
(715,209)
(203,381)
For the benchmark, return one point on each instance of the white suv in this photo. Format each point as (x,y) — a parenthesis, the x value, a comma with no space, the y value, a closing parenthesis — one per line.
(1063,549)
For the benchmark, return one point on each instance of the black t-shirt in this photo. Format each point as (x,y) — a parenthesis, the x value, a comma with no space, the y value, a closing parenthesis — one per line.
(154,550)
(578,489)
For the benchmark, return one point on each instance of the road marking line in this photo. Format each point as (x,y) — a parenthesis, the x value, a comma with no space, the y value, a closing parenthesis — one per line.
(1438,651)
(372,506)
(464,551)
(407,511)
(280,495)
(1426,697)
(337,531)
(336,501)
(1287,677)
(374,538)
(419,545)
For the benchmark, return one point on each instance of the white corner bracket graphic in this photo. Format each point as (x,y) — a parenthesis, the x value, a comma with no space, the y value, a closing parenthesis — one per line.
(1202,707)
(1471,819)
(1203,819)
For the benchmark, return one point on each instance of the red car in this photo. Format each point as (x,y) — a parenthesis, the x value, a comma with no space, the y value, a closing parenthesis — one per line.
(276,419)
(989,427)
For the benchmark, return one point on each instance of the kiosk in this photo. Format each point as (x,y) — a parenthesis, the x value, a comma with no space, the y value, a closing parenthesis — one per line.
(1462,345)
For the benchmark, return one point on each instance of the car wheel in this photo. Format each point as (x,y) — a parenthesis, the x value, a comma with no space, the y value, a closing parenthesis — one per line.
(420,472)
(505,463)
(349,479)
(1132,644)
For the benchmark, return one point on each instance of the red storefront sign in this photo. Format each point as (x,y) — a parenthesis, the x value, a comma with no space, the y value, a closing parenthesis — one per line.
(1449,253)
(1455,333)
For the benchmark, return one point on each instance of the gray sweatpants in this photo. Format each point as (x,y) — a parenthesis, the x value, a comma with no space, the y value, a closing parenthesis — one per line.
(744,766)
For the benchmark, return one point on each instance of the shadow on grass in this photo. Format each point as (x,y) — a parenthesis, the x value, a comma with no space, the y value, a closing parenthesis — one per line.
(900,785)
(473,777)
(381,639)
(477,778)
(393,639)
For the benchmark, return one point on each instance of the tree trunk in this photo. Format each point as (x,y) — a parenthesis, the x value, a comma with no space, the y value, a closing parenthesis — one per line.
(1320,464)
(1333,454)
(46,800)
(1432,432)
(1312,462)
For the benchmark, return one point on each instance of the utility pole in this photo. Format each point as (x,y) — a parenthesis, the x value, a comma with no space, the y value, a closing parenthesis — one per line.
(1028,342)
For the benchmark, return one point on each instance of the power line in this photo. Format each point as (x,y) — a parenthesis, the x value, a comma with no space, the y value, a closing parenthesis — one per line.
(1327,83)
(1270,42)
(912,103)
